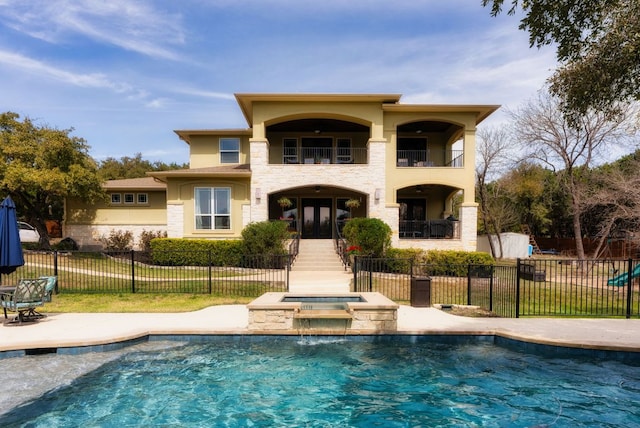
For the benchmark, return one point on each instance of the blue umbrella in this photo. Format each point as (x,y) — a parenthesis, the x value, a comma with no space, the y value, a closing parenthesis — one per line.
(11,256)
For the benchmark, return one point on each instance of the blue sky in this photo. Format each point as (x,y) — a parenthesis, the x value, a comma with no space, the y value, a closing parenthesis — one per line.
(125,74)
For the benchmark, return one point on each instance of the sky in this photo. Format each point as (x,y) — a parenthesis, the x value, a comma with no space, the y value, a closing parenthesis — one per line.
(125,74)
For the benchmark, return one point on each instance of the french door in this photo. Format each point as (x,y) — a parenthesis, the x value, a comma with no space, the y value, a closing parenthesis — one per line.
(316,218)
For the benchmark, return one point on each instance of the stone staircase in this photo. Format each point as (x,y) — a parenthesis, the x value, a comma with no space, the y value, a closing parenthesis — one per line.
(318,269)
(317,255)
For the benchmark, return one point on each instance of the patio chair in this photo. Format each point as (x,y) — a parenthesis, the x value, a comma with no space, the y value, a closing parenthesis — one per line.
(52,282)
(28,295)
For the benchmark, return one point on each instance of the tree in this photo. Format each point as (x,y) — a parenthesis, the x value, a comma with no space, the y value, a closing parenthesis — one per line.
(492,148)
(549,138)
(614,200)
(597,45)
(40,166)
(132,167)
(525,186)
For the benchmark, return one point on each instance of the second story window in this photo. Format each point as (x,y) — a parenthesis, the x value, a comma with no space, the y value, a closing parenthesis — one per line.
(229,150)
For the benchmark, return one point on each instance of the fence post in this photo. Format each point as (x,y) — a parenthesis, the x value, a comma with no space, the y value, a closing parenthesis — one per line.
(370,274)
(133,272)
(518,287)
(491,289)
(210,270)
(288,270)
(469,284)
(354,268)
(55,268)
(629,287)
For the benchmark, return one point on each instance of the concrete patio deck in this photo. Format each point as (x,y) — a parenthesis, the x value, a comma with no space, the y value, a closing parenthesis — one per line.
(89,329)
(80,329)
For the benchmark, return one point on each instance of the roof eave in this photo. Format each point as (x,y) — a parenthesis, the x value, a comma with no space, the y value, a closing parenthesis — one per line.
(245,101)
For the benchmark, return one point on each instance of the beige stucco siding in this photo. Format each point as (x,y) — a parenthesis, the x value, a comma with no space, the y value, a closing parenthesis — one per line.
(205,150)
(461,178)
(103,213)
(181,193)
(88,223)
(266,113)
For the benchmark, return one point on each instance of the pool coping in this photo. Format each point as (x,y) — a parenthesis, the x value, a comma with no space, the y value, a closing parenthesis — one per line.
(69,331)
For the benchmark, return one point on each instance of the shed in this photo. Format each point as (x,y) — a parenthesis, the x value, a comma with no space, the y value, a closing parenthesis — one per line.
(514,245)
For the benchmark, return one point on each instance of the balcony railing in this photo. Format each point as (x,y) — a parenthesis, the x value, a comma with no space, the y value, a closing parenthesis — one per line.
(429,158)
(429,229)
(324,155)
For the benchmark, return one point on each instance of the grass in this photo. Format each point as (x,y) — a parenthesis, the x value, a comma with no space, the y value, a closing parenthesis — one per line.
(119,303)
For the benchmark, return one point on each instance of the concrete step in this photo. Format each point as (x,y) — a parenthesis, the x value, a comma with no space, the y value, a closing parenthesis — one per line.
(317,255)
(315,281)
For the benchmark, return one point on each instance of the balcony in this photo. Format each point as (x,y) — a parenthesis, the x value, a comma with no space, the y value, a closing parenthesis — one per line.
(429,229)
(429,158)
(324,155)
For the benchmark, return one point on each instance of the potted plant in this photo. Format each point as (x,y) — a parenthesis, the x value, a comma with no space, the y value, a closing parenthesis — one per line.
(351,204)
(284,203)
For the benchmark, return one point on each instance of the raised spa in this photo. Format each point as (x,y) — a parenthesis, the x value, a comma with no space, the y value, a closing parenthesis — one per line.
(323,313)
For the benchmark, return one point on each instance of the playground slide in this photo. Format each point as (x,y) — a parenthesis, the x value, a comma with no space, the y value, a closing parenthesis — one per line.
(621,280)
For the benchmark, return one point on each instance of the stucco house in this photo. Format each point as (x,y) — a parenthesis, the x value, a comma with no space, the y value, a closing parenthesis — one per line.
(403,163)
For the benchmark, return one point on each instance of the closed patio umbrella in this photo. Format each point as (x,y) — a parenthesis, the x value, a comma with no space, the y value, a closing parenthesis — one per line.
(11,256)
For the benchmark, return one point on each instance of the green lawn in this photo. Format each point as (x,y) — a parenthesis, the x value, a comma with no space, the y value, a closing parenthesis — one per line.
(127,302)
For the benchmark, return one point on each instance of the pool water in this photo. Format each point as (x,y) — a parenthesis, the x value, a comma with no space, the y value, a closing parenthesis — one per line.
(345,383)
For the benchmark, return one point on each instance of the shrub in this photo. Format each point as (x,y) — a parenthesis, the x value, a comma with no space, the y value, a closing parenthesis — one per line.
(118,240)
(265,238)
(372,235)
(147,236)
(401,260)
(196,252)
(455,263)
(67,244)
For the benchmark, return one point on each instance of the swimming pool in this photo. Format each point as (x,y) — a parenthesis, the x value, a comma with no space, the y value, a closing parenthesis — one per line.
(285,381)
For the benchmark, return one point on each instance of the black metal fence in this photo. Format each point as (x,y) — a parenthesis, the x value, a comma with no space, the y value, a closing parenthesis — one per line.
(134,272)
(558,287)
(532,287)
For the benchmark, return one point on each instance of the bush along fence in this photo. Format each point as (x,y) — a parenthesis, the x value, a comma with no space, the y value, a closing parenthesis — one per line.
(157,272)
(544,287)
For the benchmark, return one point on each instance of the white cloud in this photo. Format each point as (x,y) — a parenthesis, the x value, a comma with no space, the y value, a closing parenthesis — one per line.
(131,25)
(93,80)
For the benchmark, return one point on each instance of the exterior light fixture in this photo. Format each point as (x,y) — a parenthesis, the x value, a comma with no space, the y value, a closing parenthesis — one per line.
(258,193)
(317,189)
(376,194)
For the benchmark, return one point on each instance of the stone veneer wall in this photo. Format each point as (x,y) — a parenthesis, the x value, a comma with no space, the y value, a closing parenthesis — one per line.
(175,220)
(365,178)
(283,320)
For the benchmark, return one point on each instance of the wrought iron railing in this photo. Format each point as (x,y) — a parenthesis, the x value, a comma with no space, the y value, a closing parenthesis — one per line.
(340,244)
(429,229)
(429,158)
(325,155)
